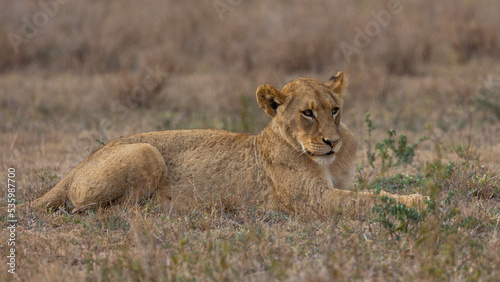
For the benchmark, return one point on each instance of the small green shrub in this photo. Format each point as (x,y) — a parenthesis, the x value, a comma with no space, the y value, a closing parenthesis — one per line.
(390,150)
(370,155)
(487,97)
(396,217)
(399,182)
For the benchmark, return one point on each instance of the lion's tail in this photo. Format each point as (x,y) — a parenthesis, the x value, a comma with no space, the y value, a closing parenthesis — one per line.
(56,196)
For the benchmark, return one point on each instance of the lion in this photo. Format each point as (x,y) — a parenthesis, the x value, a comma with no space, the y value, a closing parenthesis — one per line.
(304,158)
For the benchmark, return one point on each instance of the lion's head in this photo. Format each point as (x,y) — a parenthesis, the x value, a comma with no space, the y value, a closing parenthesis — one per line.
(306,113)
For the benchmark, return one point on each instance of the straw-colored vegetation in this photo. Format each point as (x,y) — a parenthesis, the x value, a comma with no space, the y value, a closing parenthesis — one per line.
(97,70)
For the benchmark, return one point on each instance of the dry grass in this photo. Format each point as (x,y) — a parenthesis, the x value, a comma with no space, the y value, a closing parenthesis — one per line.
(433,70)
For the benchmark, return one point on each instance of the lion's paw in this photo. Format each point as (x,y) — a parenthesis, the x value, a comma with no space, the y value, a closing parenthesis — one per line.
(413,200)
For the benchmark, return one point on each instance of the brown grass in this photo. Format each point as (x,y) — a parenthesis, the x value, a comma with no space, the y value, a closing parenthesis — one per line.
(433,70)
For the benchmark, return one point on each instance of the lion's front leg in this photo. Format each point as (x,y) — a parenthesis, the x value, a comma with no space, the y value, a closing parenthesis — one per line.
(339,198)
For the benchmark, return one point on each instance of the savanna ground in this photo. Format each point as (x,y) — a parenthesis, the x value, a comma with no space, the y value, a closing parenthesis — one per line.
(92,71)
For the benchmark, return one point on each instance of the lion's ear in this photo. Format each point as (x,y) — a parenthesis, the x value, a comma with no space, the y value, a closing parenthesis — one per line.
(269,98)
(338,83)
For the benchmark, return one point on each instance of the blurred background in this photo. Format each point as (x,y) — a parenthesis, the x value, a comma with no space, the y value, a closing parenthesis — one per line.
(76,74)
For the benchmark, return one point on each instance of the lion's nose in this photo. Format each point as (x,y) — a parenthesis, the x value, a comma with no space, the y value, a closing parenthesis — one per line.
(330,142)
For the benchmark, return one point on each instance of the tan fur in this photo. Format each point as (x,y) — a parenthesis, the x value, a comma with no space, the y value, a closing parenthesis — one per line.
(297,161)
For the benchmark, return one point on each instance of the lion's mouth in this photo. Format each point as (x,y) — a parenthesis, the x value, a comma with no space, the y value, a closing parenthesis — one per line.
(323,155)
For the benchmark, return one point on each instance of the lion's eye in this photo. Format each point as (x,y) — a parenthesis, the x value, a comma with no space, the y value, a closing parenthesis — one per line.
(308,113)
(335,111)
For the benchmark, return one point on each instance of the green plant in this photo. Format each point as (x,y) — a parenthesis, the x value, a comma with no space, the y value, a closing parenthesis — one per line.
(47,175)
(487,99)
(370,155)
(399,182)
(389,149)
(396,217)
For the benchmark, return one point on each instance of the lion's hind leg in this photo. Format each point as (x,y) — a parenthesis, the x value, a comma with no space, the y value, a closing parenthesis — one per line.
(121,173)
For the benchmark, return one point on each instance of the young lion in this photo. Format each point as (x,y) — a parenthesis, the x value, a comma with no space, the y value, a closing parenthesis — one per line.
(304,158)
